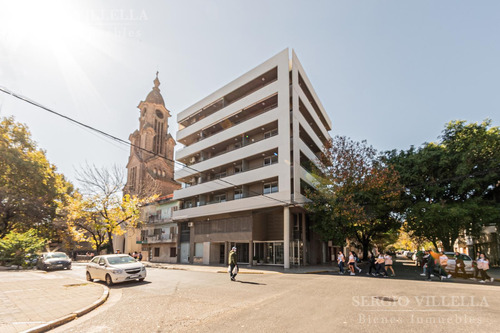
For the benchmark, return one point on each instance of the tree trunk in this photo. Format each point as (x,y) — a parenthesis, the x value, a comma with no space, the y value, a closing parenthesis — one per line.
(434,242)
(110,246)
(366,245)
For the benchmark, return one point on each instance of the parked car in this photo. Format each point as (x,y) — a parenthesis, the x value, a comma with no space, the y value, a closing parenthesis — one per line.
(409,255)
(53,260)
(469,269)
(114,268)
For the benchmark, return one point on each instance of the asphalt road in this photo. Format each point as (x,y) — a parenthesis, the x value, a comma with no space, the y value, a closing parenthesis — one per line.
(188,301)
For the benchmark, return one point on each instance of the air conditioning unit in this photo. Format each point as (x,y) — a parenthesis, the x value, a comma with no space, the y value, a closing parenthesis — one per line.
(190,224)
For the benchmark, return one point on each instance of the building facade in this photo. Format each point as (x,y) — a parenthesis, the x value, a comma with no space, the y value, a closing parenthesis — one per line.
(247,151)
(159,234)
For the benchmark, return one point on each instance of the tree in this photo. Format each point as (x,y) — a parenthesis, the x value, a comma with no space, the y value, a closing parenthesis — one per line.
(84,223)
(104,207)
(17,248)
(452,186)
(30,188)
(355,194)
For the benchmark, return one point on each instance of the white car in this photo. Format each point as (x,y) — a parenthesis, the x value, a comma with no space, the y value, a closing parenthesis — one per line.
(469,269)
(114,268)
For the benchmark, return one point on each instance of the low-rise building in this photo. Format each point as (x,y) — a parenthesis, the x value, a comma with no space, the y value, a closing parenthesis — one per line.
(159,233)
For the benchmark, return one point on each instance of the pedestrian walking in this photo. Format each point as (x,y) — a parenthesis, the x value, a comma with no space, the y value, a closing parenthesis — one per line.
(372,268)
(139,256)
(474,265)
(443,263)
(356,260)
(380,266)
(430,266)
(425,259)
(459,265)
(483,265)
(388,263)
(351,263)
(438,268)
(233,264)
(340,262)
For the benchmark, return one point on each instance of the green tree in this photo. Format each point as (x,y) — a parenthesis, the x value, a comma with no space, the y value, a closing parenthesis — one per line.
(16,248)
(452,186)
(355,194)
(30,188)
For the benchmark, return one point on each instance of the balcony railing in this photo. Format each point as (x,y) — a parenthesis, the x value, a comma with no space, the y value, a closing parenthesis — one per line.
(166,238)
(155,219)
(212,202)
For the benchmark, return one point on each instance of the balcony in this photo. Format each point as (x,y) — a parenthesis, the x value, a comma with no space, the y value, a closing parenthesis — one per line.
(155,239)
(152,219)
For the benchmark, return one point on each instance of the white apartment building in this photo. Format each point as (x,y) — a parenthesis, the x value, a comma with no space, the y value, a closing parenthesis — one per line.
(246,152)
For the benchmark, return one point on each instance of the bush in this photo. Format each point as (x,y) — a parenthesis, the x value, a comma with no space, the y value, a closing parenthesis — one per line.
(19,248)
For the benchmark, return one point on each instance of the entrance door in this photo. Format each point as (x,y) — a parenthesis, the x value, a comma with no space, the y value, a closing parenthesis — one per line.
(184,253)
(222,253)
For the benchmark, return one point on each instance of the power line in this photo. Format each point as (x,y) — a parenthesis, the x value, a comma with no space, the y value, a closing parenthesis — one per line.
(110,136)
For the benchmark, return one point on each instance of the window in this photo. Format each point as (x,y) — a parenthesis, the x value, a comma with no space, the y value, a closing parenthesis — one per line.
(133,177)
(198,249)
(237,169)
(270,187)
(157,252)
(220,198)
(220,175)
(238,194)
(271,159)
(270,133)
(173,252)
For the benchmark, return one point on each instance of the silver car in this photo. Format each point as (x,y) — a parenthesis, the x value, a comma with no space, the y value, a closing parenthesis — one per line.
(114,268)
(53,260)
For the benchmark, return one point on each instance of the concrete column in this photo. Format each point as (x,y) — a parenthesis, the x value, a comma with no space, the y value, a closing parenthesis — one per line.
(226,252)
(178,244)
(250,252)
(286,236)
(191,245)
(304,239)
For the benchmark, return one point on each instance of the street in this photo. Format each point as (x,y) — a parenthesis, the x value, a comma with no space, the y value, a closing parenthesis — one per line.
(187,301)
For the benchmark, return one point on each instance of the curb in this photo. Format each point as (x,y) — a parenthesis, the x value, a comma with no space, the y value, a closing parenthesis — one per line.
(240,272)
(75,314)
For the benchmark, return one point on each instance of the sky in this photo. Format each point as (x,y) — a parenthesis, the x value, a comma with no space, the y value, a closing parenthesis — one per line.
(390,72)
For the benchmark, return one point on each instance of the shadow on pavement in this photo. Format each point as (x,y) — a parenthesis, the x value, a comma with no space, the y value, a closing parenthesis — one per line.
(248,282)
(126,284)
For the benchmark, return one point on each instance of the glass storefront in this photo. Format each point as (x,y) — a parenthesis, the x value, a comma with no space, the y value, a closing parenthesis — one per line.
(269,253)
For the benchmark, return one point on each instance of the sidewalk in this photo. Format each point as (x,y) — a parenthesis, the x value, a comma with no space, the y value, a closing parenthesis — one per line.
(35,301)
(246,269)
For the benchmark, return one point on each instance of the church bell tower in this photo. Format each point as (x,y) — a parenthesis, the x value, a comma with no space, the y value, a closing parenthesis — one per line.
(150,168)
